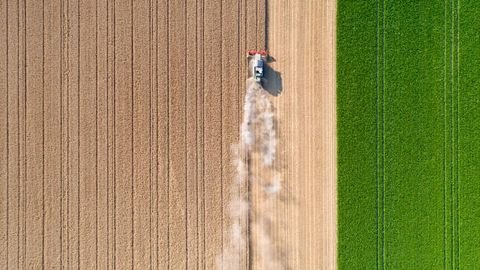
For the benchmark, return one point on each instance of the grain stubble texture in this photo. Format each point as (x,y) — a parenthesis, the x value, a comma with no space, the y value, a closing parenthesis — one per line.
(116,128)
(116,121)
(301,37)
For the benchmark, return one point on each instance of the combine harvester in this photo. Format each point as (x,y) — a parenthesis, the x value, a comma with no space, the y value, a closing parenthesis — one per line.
(257,61)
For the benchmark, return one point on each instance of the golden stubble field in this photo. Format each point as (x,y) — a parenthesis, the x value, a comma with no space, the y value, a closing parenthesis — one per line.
(116,125)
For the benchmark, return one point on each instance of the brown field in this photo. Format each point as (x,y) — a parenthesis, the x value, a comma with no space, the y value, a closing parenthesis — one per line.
(117,119)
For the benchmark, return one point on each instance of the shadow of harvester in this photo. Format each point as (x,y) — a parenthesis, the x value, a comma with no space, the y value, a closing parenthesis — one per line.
(272,80)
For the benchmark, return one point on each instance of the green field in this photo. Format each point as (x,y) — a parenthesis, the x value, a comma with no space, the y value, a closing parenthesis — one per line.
(408,100)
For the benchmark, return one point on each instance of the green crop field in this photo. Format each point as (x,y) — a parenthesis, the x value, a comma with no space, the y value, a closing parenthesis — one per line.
(408,134)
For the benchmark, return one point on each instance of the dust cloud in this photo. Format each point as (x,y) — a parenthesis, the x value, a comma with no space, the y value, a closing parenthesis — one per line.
(251,223)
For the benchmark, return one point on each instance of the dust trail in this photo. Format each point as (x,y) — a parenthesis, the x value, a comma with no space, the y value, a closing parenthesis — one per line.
(269,139)
(257,135)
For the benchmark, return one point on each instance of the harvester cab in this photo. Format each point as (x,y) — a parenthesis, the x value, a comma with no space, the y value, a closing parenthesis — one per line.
(257,59)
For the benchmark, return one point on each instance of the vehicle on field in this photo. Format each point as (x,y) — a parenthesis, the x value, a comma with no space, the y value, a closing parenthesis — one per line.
(257,63)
